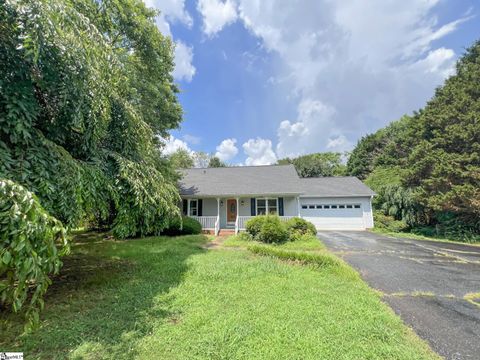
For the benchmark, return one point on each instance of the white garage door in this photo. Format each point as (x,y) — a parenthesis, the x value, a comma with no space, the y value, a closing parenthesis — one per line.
(332,216)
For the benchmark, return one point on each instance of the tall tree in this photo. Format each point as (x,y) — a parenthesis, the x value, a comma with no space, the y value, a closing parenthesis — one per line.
(426,167)
(318,164)
(444,165)
(182,159)
(85,92)
(386,147)
(215,162)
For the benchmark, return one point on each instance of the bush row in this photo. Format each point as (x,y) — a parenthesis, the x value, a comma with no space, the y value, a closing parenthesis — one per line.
(270,229)
(183,226)
(388,223)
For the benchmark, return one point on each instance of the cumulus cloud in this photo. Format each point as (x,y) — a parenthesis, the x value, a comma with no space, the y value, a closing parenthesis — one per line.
(315,121)
(184,69)
(259,152)
(339,143)
(172,11)
(172,144)
(439,61)
(347,73)
(216,14)
(227,149)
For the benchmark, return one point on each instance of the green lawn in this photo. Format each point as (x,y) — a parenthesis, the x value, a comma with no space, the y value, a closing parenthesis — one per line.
(307,244)
(407,235)
(168,298)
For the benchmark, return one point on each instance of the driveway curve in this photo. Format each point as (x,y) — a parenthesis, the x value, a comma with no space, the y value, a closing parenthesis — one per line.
(428,284)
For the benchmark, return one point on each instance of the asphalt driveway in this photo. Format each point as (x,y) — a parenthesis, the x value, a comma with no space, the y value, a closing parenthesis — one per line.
(427,283)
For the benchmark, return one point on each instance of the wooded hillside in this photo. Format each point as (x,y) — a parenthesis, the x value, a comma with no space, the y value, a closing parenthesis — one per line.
(426,167)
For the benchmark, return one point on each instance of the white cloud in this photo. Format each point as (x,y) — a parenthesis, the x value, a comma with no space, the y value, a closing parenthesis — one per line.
(172,144)
(184,69)
(339,143)
(350,66)
(191,139)
(172,11)
(315,122)
(227,149)
(216,14)
(259,152)
(439,61)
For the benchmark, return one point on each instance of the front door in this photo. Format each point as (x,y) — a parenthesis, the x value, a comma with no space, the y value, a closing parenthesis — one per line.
(231,210)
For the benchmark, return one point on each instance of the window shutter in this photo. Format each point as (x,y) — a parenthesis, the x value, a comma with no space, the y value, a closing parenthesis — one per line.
(280,206)
(185,206)
(200,207)
(252,207)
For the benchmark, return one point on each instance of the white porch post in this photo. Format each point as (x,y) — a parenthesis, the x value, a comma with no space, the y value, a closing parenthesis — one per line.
(188,207)
(217,224)
(298,205)
(236,220)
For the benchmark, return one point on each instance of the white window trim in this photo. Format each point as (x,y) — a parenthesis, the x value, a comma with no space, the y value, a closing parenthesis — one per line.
(266,205)
(191,208)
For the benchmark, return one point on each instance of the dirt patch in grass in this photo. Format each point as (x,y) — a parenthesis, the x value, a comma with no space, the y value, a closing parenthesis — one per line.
(80,272)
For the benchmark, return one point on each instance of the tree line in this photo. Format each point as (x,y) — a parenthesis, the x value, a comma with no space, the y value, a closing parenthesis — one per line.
(425,167)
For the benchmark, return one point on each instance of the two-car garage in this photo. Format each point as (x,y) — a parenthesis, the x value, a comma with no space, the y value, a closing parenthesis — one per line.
(327,204)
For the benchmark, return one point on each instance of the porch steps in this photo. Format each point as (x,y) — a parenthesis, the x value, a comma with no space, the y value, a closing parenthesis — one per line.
(226,232)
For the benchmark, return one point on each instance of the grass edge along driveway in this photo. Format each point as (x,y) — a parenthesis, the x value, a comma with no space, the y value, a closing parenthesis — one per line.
(170,298)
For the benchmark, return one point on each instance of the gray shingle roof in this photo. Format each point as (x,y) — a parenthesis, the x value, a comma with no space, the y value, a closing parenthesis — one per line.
(266,180)
(334,187)
(241,180)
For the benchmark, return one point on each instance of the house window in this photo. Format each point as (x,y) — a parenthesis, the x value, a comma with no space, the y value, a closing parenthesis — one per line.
(272,206)
(267,206)
(261,206)
(193,207)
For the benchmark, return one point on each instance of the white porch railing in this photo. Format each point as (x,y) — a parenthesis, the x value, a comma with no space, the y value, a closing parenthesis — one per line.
(207,222)
(286,218)
(213,222)
(242,220)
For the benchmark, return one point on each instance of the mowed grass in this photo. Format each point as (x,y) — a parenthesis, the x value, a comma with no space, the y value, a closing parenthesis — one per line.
(310,243)
(407,235)
(169,298)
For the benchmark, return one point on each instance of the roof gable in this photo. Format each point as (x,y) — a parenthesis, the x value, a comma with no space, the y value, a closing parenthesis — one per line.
(338,186)
(240,180)
(264,181)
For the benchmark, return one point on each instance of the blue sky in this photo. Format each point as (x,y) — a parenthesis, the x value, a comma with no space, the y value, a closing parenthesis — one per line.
(265,79)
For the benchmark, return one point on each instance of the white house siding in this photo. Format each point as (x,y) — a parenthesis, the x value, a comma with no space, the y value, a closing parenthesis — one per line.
(209,207)
(290,206)
(338,219)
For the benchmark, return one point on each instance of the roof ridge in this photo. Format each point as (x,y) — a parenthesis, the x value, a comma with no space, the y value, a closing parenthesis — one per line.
(327,177)
(237,167)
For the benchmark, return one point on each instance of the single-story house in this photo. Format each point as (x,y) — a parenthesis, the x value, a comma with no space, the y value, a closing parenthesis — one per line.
(226,198)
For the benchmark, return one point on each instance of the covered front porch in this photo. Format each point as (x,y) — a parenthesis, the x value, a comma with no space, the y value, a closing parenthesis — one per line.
(232,213)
